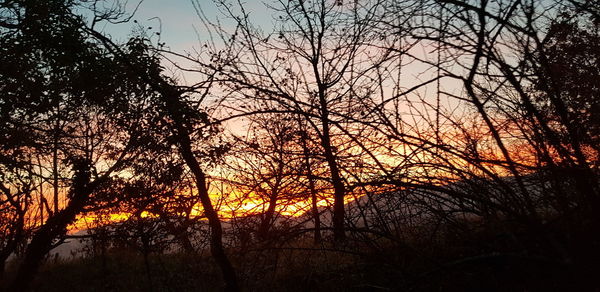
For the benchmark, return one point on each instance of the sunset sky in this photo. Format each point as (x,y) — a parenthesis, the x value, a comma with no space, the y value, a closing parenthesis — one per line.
(304,145)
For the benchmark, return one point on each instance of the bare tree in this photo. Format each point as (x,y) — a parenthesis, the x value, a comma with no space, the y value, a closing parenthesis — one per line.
(500,122)
(336,42)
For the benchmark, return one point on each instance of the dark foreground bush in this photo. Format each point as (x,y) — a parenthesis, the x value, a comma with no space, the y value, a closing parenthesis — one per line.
(473,261)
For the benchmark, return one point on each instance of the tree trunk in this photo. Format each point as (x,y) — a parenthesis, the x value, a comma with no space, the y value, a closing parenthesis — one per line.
(42,241)
(216,234)
(181,233)
(338,185)
(16,235)
(265,224)
(174,107)
(56,226)
(146,254)
(315,211)
(170,97)
(55,165)
(312,189)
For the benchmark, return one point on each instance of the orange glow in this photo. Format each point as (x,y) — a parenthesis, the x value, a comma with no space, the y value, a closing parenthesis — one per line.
(231,202)
(254,206)
(87,221)
(227,210)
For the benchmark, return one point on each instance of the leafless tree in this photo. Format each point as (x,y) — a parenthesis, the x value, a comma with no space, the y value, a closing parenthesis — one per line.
(336,42)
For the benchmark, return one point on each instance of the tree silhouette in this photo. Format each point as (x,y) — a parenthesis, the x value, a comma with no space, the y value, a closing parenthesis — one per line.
(432,144)
(64,94)
(316,64)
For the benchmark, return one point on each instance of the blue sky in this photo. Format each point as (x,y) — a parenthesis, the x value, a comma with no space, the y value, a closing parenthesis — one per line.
(180,26)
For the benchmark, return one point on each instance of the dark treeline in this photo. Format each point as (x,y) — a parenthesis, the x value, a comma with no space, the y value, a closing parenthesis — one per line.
(427,145)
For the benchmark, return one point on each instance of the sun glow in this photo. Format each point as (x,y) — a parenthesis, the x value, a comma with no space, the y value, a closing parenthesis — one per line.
(88,221)
(227,209)
(254,206)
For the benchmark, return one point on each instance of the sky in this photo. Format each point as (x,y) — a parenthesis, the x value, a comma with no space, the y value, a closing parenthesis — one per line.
(177,20)
(182,30)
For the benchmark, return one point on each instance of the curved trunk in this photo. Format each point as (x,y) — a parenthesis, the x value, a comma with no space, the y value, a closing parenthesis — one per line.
(174,107)
(216,234)
(42,241)
(170,96)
